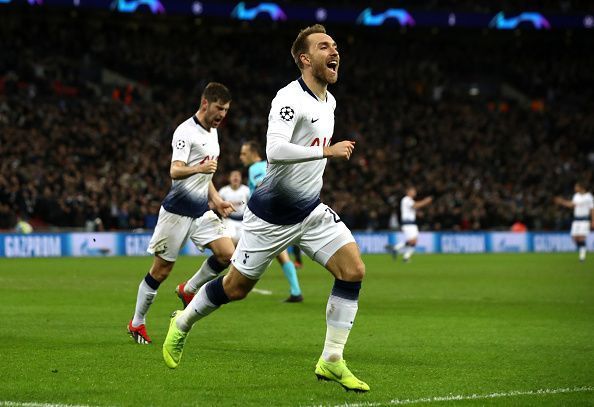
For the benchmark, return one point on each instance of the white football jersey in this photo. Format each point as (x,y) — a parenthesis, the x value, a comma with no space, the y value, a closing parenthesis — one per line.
(238,197)
(191,144)
(407,210)
(290,191)
(583,205)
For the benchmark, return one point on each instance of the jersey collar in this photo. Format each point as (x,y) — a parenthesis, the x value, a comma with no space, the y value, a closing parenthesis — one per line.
(308,90)
(199,124)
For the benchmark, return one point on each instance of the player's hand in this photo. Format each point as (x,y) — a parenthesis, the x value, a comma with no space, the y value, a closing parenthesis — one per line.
(558,200)
(224,208)
(343,149)
(208,167)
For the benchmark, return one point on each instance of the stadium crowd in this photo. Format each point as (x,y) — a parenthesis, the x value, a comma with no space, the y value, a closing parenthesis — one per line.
(493,125)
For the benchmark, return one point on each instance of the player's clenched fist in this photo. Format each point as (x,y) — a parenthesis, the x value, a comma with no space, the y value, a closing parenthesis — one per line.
(208,167)
(343,149)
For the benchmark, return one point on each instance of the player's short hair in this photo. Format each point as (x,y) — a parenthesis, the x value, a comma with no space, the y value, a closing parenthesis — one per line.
(301,44)
(216,92)
(254,147)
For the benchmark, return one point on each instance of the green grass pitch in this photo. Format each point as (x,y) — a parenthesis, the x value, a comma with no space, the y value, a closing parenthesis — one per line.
(441,326)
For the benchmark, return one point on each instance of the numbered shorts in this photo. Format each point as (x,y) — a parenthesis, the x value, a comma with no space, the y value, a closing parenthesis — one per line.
(320,235)
(410,232)
(233,228)
(173,231)
(580,228)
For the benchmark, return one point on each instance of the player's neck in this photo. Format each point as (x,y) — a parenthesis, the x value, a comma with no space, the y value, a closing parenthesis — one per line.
(200,116)
(318,88)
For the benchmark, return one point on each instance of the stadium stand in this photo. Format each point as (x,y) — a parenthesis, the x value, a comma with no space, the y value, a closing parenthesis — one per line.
(493,128)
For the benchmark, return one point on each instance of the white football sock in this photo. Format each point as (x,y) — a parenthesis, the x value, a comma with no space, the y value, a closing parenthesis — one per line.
(399,246)
(408,252)
(204,274)
(144,299)
(198,308)
(340,315)
(582,253)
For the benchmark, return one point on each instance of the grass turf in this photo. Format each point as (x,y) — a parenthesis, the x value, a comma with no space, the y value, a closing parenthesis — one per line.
(441,325)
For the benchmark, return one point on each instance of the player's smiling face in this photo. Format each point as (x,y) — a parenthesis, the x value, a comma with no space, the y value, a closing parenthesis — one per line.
(324,57)
(215,113)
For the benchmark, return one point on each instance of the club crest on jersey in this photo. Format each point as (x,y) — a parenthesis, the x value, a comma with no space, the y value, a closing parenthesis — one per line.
(180,144)
(287,113)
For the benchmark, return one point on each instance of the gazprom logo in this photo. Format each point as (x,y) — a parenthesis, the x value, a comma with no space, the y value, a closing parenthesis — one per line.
(241,12)
(368,18)
(130,6)
(501,22)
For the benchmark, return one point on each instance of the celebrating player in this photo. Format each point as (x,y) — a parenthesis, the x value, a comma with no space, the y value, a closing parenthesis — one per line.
(408,210)
(185,210)
(285,209)
(583,216)
(250,157)
(238,194)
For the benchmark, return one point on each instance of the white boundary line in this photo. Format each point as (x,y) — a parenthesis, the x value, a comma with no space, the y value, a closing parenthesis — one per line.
(7,403)
(436,399)
(260,291)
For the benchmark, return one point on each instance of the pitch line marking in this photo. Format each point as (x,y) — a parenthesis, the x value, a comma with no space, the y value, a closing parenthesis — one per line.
(260,291)
(461,397)
(7,403)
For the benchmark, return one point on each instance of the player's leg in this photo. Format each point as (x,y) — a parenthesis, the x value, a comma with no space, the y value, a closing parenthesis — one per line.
(579,232)
(297,254)
(260,243)
(330,243)
(207,231)
(409,249)
(291,276)
(222,250)
(411,233)
(169,236)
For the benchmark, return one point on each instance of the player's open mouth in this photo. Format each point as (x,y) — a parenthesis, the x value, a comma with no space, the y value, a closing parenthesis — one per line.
(333,66)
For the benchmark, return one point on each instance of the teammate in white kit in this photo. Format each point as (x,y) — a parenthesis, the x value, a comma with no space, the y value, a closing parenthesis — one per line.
(286,209)
(185,212)
(408,211)
(583,216)
(238,194)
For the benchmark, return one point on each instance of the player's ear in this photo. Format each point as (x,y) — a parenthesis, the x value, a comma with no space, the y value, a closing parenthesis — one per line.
(305,59)
(203,104)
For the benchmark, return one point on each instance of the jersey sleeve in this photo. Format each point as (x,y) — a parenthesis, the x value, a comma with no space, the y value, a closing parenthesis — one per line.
(181,146)
(590,202)
(284,116)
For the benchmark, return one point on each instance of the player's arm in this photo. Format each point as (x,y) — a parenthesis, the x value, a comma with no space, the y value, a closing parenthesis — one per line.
(223,207)
(423,202)
(180,170)
(564,202)
(282,119)
(256,175)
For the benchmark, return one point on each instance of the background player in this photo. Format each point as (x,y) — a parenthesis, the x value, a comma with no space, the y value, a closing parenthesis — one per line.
(408,211)
(251,157)
(285,209)
(238,194)
(582,204)
(185,210)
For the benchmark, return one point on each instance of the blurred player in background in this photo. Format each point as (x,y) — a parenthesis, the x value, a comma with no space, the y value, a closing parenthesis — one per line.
(251,157)
(408,211)
(286,209)
(582,204)
(238,194)
(185,212)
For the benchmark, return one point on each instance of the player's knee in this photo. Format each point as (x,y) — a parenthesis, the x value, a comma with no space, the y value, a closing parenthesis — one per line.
(356,272)
(161,270)
(236,292)
(224,257)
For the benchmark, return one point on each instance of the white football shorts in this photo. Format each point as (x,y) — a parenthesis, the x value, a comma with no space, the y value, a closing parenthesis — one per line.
(234,228)
(173,231)
(320,235)
(410,232)
(580,228)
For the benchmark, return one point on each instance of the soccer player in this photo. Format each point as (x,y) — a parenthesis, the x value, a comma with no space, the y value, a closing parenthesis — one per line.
(238,194)
(285,209)
(250,157)
(582,204)
(408,210)
(185,213)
